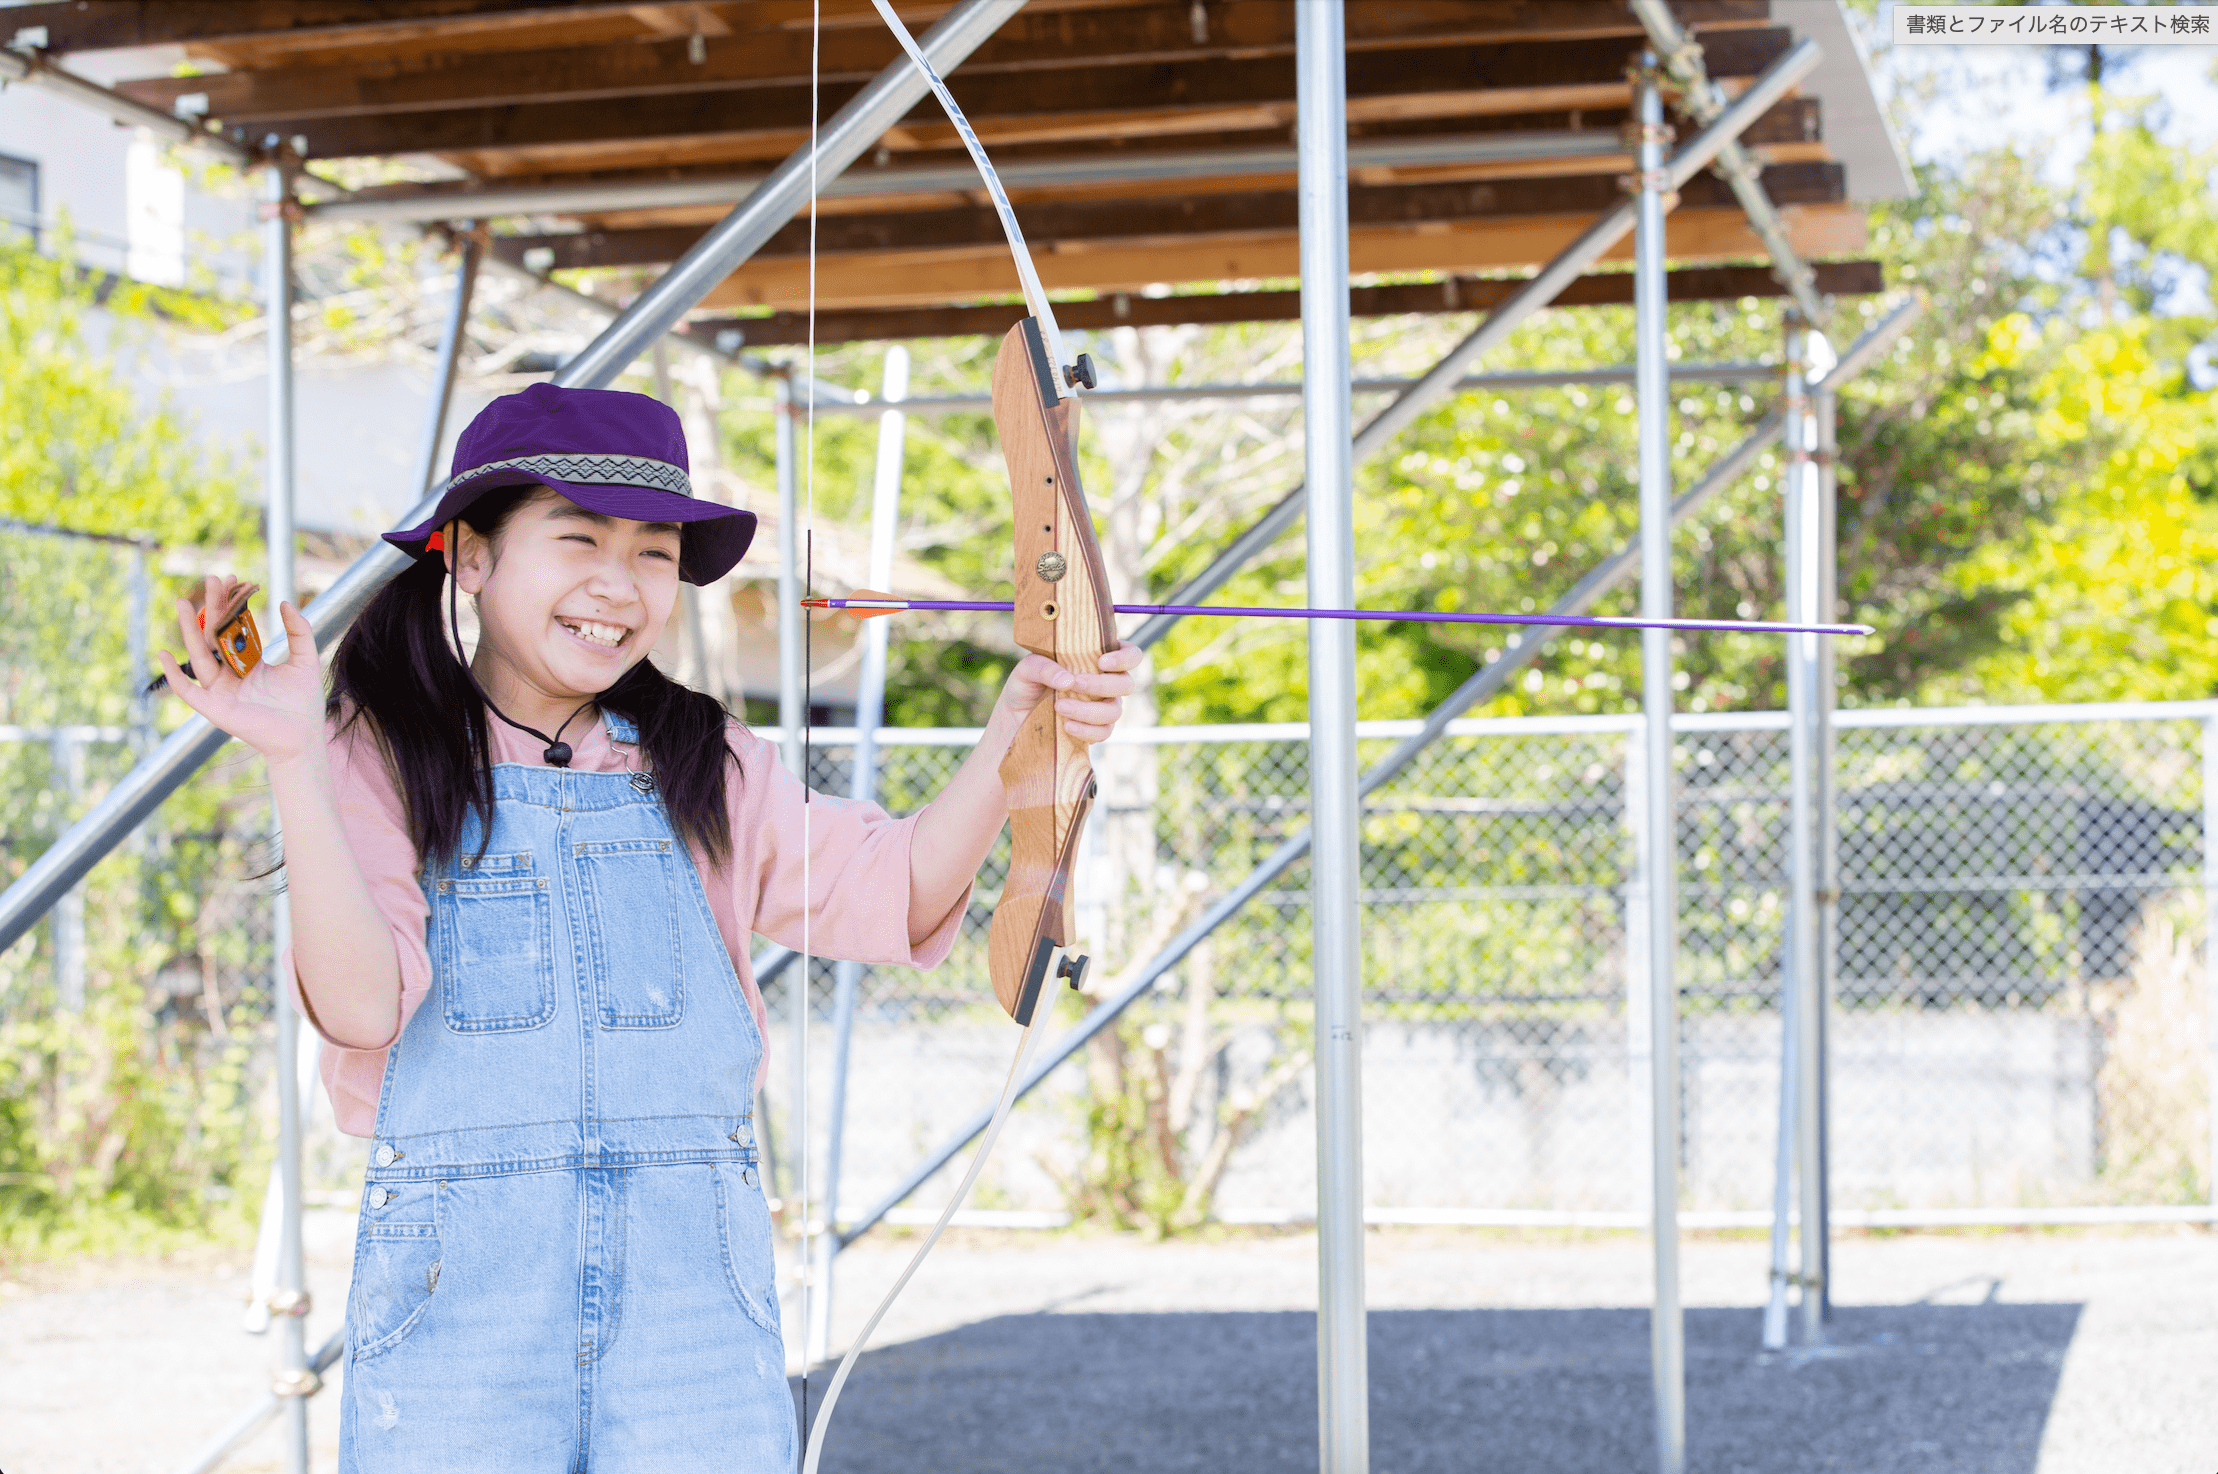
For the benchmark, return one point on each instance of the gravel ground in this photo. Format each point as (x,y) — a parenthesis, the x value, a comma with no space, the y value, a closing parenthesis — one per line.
(2025,1353)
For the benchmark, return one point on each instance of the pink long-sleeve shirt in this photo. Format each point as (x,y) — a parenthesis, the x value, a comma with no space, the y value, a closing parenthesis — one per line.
(858,880)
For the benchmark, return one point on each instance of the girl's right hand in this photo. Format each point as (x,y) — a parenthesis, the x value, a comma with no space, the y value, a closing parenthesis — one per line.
(275,709)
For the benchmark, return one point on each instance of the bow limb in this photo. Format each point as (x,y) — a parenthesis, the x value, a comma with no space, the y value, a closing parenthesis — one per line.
(1035,295)
(1026,1048)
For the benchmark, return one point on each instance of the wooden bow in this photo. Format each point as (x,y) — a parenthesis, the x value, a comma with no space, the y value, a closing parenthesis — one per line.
(1063,611)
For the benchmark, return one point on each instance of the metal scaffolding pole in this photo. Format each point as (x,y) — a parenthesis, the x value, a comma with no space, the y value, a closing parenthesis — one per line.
(251,1422)
(1335,866)
(879,106)
(438,401)
(1776,1301)
(862,783)
(1704,100)
(141,615)
(452,334)
(693,646)
(791,693)
(1540,289)
(1825,408)
(293,1379)
(1518,651)
(1652,397)
(1798,956)
(1721,373)
(67,754)
(40,70)
(1803,549)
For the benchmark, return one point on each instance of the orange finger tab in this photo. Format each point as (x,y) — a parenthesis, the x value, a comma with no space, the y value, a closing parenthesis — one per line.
(239,642)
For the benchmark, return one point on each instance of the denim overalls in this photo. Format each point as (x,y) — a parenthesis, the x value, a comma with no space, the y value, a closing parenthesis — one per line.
(563,1262)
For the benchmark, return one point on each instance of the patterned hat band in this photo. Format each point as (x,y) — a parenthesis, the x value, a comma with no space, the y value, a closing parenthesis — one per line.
(592,470)
(615,454)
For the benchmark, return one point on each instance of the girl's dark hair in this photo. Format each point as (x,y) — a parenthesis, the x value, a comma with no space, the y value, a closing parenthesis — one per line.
(396,667)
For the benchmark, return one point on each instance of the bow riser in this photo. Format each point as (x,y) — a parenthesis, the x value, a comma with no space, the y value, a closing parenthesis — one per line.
(1063,611)
(1062,605)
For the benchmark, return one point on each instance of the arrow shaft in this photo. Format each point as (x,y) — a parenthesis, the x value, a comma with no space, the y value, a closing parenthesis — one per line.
(869,607)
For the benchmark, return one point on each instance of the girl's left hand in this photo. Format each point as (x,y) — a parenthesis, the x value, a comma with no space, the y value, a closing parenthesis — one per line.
(1088,705)
(277,708)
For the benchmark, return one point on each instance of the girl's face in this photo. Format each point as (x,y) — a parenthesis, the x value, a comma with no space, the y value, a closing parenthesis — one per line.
(567,599)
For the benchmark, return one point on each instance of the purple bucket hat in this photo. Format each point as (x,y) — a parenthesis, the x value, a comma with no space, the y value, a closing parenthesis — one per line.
(622,455)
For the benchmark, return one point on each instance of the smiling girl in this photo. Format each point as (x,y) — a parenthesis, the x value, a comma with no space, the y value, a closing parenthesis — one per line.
(521,891)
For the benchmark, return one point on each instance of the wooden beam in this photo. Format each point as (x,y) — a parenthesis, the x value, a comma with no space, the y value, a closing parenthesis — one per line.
(105,25)
(1241,29)
(73,25)
(405,46)
(1087,225)
(1116,101)
(567,76)
(682,20)
(674,157)
(1793,123)
(934,278)
(1125,310)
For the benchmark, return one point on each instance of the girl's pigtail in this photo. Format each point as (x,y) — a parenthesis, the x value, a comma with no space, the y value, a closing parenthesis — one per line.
(681,731)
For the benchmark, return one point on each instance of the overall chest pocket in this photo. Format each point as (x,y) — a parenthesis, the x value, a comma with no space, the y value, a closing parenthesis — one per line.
(493,930)
(631,899)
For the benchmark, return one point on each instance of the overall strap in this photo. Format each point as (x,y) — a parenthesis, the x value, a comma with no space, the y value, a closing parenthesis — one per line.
(621,729)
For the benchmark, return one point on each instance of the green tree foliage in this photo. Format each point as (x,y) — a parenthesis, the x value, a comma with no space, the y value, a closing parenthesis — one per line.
(2110,595)
(130,1118)
(1503,501)
(99,464)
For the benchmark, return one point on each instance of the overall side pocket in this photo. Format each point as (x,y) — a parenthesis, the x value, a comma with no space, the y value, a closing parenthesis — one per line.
(743,1231)
(396,1265)
(493,939)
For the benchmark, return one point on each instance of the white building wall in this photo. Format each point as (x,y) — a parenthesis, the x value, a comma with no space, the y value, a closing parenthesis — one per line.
(133,206)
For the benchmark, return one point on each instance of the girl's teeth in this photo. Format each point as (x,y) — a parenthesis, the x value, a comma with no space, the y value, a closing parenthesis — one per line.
(599,634)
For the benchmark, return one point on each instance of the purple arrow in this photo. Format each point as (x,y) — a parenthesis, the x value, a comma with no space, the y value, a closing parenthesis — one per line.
(868,605)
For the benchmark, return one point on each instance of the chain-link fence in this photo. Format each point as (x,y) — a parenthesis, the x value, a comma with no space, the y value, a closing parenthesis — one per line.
(2021,1006)
(135,1018)
(2021,1013)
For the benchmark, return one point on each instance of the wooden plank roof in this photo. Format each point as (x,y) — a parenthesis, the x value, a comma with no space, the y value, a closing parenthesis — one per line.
(1173,118)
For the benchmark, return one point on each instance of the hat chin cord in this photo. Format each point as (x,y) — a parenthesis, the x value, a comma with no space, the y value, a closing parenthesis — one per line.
(558,751)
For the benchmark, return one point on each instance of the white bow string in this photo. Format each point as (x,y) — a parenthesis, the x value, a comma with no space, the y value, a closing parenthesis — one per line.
(1035,297)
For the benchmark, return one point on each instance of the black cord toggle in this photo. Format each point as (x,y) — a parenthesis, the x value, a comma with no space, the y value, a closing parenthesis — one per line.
(557,753)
